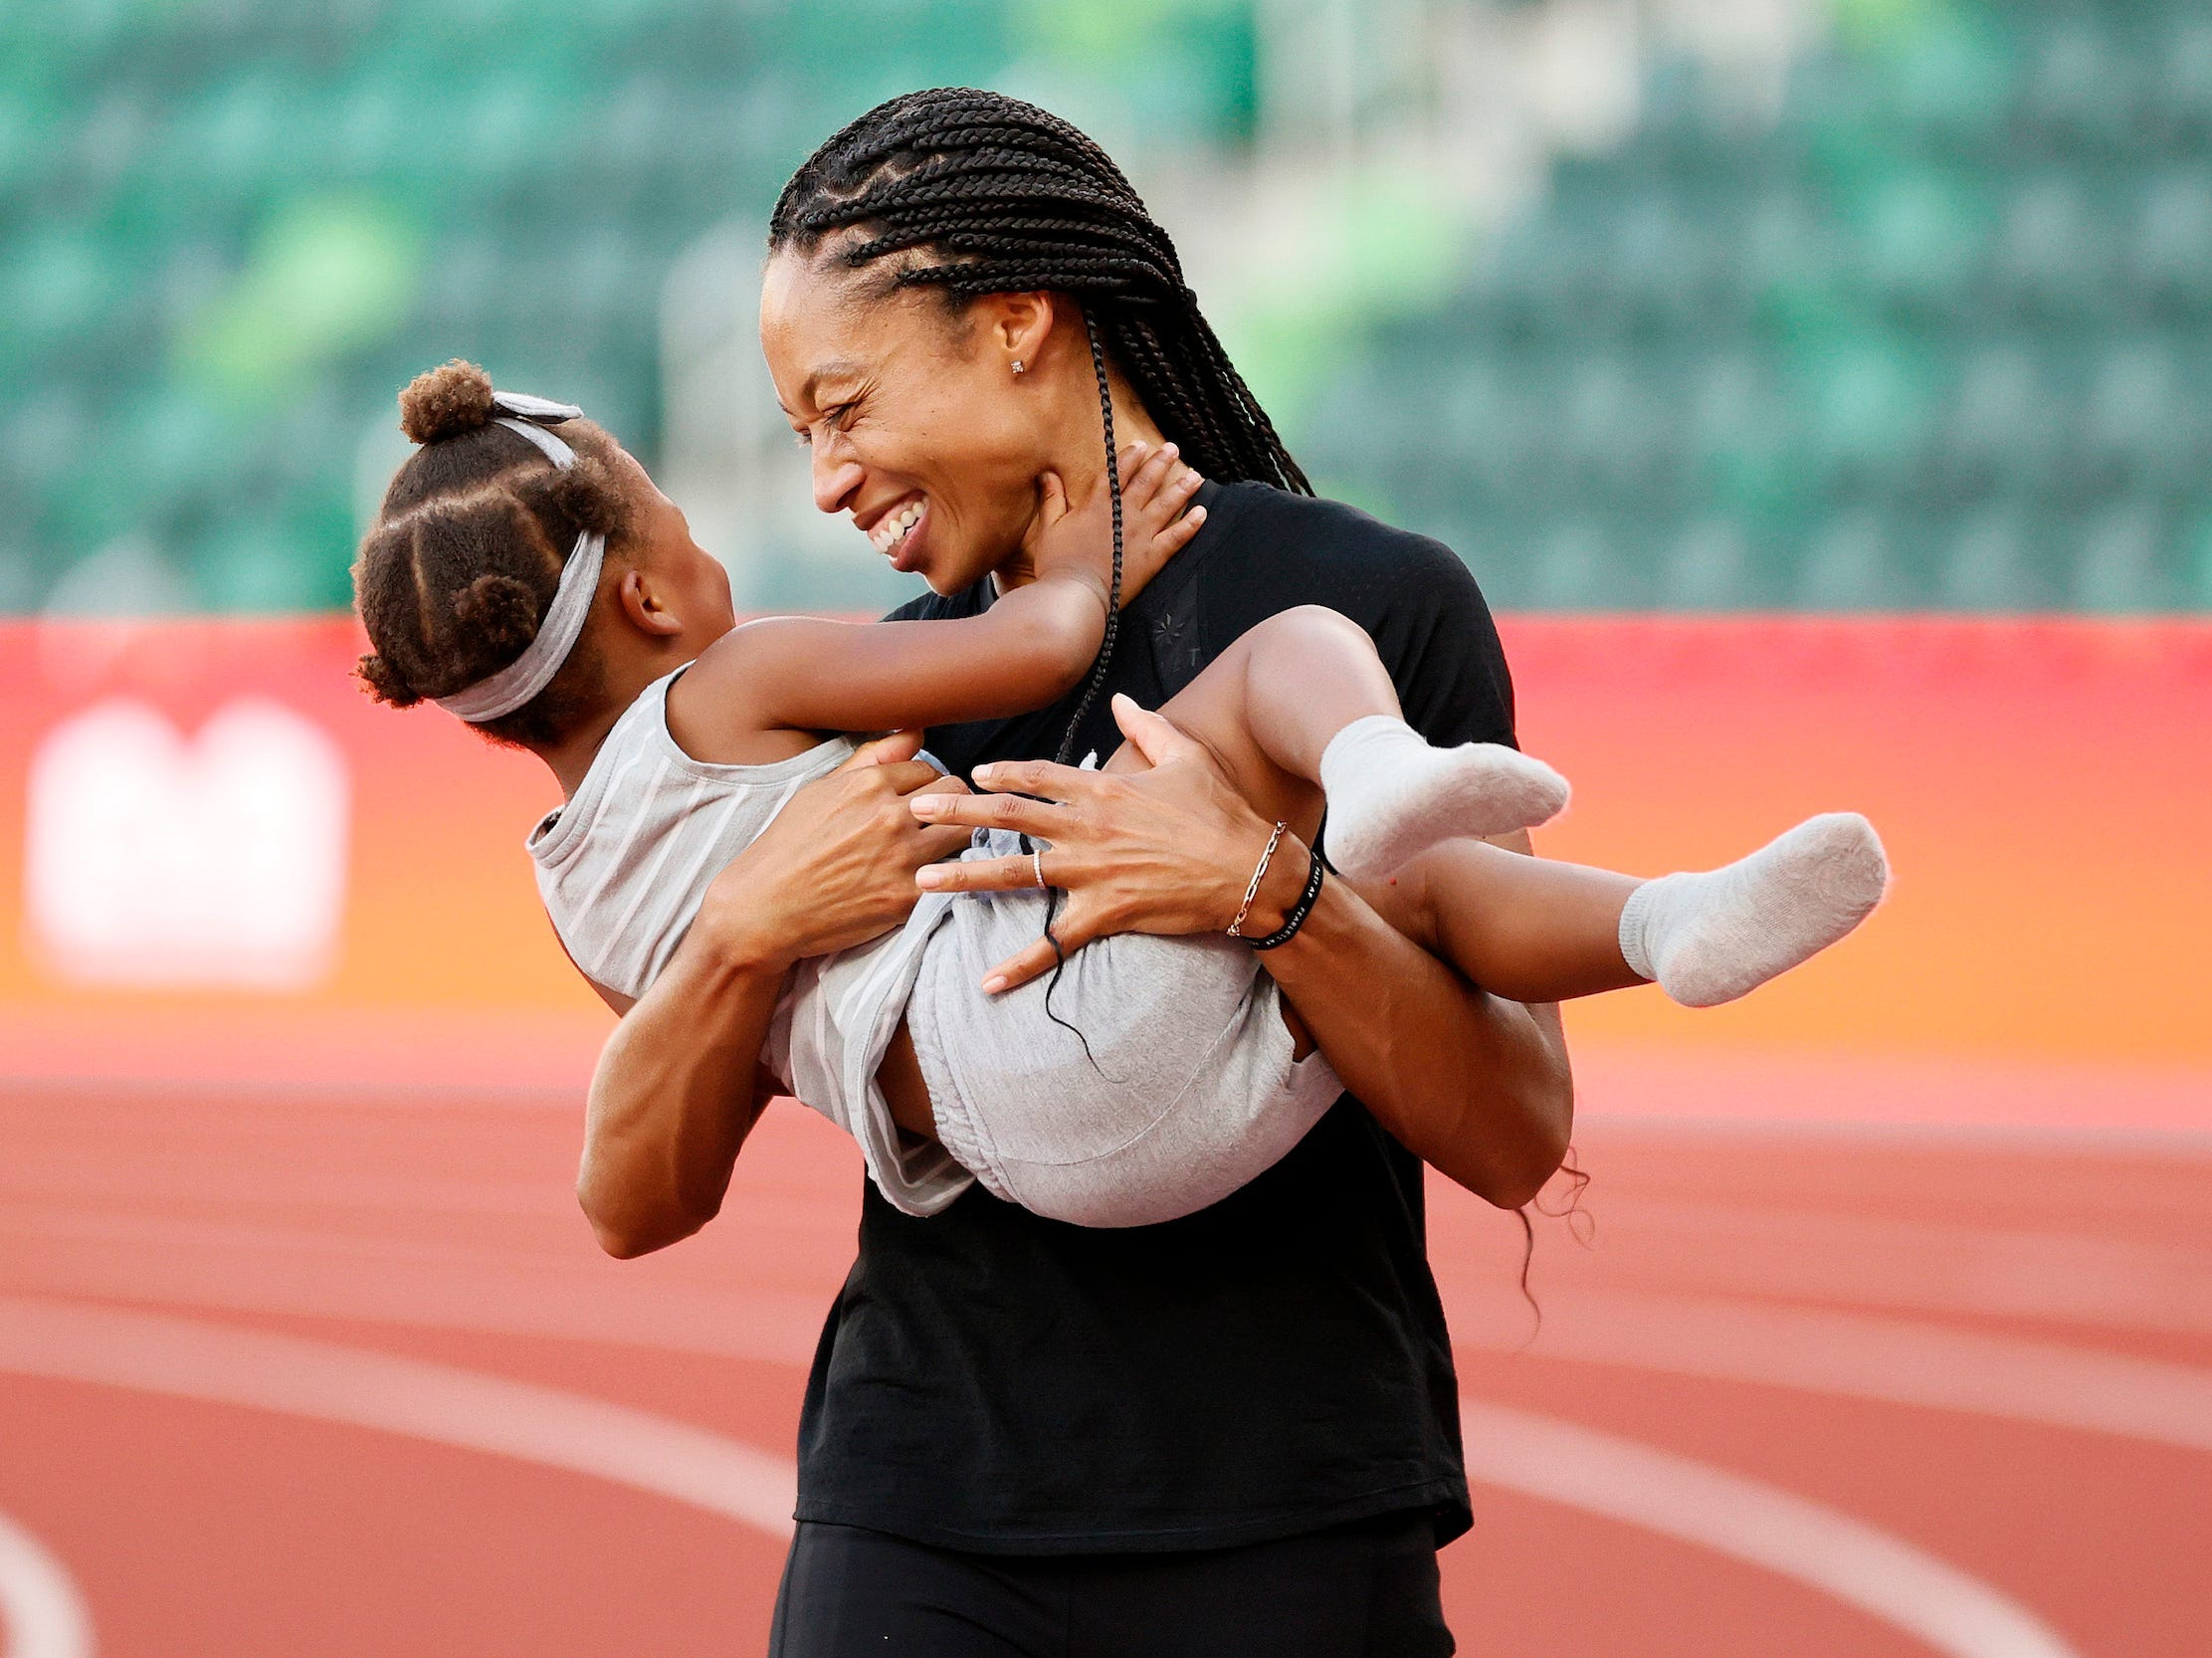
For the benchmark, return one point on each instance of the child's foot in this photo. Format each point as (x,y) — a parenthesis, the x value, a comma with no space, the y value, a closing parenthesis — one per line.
(1709,937)
(1390,794)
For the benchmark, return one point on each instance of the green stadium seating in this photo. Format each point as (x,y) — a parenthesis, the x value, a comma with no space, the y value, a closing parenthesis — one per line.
(231,229)
(1938,335)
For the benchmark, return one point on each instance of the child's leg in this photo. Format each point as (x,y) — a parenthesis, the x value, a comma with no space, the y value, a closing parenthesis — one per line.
(1526,929)
(1302,701)
(1532,931)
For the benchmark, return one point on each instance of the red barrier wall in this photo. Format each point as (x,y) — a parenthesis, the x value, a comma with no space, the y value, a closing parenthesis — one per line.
(2045,789)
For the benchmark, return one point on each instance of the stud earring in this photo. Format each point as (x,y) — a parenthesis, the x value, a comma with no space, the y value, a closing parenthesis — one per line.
(1019,366)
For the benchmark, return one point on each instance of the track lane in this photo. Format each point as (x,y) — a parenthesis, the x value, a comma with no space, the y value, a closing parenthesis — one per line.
(199,1529)
(1602,1474)
(393,1227)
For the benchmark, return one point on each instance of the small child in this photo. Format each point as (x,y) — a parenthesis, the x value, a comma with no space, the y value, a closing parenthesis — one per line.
(524,574)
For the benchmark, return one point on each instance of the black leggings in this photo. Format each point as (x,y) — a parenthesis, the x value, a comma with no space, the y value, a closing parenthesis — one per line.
(1362,1590)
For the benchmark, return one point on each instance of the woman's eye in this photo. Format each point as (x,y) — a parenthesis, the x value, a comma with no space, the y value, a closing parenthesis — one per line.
(834,419)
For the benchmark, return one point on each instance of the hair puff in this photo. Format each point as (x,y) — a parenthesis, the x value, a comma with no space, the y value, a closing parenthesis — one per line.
(386,682)
(502,612)
(590,494)
(446,402)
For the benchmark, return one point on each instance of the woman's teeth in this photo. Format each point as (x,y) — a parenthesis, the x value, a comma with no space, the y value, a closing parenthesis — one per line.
(888,534)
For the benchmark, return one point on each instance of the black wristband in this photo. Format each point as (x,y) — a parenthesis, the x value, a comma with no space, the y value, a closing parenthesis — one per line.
(1300,911)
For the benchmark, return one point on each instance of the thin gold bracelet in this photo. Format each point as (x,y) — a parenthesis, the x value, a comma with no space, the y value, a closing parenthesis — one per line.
(1236,927)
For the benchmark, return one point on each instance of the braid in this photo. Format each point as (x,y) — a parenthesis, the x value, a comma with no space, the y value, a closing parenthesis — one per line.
(1113,593)
(1098,670)
(990,195)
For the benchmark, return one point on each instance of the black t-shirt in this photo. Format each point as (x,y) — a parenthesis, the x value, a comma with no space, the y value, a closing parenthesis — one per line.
(992,1381)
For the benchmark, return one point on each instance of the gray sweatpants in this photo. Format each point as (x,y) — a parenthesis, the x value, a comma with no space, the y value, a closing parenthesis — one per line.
(1188,1089)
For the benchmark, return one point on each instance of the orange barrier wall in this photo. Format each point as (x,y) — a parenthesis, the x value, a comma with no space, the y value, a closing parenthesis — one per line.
(2045,789)
(442,961)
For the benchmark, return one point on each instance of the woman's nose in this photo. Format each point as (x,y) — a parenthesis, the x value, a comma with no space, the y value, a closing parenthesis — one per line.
(836,477)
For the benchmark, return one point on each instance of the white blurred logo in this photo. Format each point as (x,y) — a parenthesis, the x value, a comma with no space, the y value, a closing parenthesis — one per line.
(152,860)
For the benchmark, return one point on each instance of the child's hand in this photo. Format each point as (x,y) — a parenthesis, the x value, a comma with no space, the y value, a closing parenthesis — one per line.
(1158,520)
(1075,541)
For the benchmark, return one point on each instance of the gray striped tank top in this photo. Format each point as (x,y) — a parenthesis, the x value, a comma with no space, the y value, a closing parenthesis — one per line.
(623,868)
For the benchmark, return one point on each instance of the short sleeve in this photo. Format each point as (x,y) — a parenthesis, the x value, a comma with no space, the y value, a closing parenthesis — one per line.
(1436,635)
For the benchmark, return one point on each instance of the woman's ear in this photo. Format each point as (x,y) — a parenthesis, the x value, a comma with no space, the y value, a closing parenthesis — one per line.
(1019,324)
(643,608)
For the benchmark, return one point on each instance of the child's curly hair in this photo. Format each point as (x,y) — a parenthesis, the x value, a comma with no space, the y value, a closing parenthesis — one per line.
(456,574)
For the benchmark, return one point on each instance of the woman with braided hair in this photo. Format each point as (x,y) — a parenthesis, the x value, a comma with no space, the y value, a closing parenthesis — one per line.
(1231,1430)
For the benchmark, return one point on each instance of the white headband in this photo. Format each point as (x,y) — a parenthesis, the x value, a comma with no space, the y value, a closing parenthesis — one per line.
(531,673)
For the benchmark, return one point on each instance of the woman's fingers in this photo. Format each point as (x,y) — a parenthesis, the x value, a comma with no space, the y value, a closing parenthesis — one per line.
(978,875)
(991,811)
(1074,927)
(907,776)
(933,845)
(1048,778)
(899,745)
(1154,735)
(1033,962)
(934,841)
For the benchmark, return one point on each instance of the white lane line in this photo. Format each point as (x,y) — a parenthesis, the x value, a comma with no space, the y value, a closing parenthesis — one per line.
(1579,1467)
(1848,1559)
(262,1370)
(1913,1265)
(1851,1355)
(41,1614)
(578,1295)
(1881,1265)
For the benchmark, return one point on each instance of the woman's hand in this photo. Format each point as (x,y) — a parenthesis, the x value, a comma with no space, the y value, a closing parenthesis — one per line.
(1169,850)
(837,866)
(677,1090)
(1477,1086)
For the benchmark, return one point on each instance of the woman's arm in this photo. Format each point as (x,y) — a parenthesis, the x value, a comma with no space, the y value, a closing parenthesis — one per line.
(674,1096)
(1475,1085)
(1470,1081)
(811,674)
(673,1099)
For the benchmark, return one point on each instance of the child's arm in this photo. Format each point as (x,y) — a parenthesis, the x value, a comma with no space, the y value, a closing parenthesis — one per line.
(805,673)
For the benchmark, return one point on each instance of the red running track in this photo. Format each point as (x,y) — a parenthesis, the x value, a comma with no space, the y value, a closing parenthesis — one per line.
(298,1372)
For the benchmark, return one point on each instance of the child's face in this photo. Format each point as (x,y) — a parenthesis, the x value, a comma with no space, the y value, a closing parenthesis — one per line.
(904,412)
(692,583)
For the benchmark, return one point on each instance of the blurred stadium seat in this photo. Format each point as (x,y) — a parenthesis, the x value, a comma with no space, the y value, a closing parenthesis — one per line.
(1936,337)
(231,229)
(1932,330)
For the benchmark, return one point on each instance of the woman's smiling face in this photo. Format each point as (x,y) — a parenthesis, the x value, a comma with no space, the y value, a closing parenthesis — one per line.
(917,426)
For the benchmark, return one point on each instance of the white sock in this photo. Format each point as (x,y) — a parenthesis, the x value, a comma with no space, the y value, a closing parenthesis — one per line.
(1390,794)
(1708,937)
